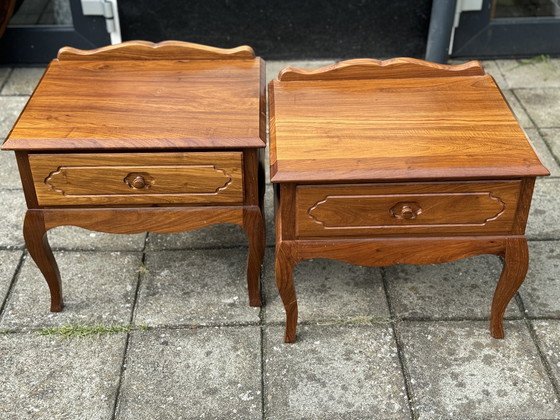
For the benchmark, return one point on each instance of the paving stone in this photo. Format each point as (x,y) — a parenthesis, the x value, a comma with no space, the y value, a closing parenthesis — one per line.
(49,378)
(11,107)
(222,235)
(9,173)
(336,372)
(205,287)
(12,208)
(328,291)
(548,334)
(4,73)
(543,152)
(459,289)
(541,290)
(492,68)
(22,81)
(552,137)
(98,288)
(274,67)
(542,105)
(518,110)
(544,218)
(194,373)
(9,261)
(458,371)
(74,238)
(530,73)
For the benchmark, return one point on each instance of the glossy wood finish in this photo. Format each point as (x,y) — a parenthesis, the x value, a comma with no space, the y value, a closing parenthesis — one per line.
(381,209)
(137,178)
(395,129)
(395,68)
(398,162)
(166,50)
(143,137)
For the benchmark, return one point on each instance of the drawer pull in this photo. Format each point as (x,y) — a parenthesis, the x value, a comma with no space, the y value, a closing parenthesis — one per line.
(139,181)
(406,210)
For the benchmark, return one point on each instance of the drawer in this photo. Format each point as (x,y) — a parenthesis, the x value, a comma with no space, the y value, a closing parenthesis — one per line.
(413,208)
(137,178)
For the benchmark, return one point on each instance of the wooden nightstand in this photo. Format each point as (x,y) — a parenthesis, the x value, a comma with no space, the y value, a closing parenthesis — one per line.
(144,137)
(398,161)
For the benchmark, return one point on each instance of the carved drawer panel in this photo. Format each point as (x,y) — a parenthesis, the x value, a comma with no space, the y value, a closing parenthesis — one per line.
(413,208)
(137,178)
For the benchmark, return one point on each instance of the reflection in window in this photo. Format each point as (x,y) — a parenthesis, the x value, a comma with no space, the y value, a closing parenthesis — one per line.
(525,8)
(42,12)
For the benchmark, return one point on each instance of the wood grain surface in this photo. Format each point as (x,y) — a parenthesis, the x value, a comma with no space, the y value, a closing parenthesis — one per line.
(395,129)
(158,105)
(165,178)
(394,68)
(166,50)
(444,208)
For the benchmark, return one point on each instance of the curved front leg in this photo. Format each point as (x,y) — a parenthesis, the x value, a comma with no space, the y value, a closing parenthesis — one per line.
(35,235)
(516,262)
(253,223)
(284,265)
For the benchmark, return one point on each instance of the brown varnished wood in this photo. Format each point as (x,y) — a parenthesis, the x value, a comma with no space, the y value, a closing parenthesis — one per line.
(6,10)
(105,179)
(110,105)
(253,223)
(394,68)
(36,241)
(395,129)
(22,159)
(516,263)
(445,208)
(166,50)
(398,162)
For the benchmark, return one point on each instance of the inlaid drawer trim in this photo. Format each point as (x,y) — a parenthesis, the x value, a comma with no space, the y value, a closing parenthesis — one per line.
(158,178)
(456,207)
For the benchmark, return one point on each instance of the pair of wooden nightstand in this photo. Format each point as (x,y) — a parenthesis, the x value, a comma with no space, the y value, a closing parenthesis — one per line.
(375,162)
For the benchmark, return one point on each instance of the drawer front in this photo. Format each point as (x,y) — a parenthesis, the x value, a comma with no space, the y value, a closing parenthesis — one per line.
(137,178)
(414,208)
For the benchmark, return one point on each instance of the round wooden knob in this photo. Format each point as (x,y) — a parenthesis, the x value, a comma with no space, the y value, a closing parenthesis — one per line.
(139,182)
(407,212)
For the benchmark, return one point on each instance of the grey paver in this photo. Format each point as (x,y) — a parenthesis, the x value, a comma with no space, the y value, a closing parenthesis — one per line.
(518,110)
(458,371)
(541,290)
(552,137)
(11,107)
(542,105)
(4,73)
(22,81)
(492,68)
(9,173)
(328,291)
(543,151)
(197,373)
(548,336)
(73,238)
(531,73)
(455,290)
(204,287)
(49,378)
(222,235)
(333,372)
(544,218)
(98,288)
(9,261)
(12,209)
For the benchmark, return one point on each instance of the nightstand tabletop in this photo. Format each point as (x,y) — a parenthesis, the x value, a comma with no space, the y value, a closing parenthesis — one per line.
(396,129)
(163,104)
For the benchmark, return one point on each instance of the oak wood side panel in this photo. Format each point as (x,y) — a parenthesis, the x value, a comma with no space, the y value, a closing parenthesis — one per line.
(166,50)
(101,179)
(26,176)
(522,214)
(394,68)
(407,209)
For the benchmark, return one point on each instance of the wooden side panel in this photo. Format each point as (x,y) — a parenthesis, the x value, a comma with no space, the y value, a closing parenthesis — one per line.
(414,208)
(395,68)
(166,50)
(136,178)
